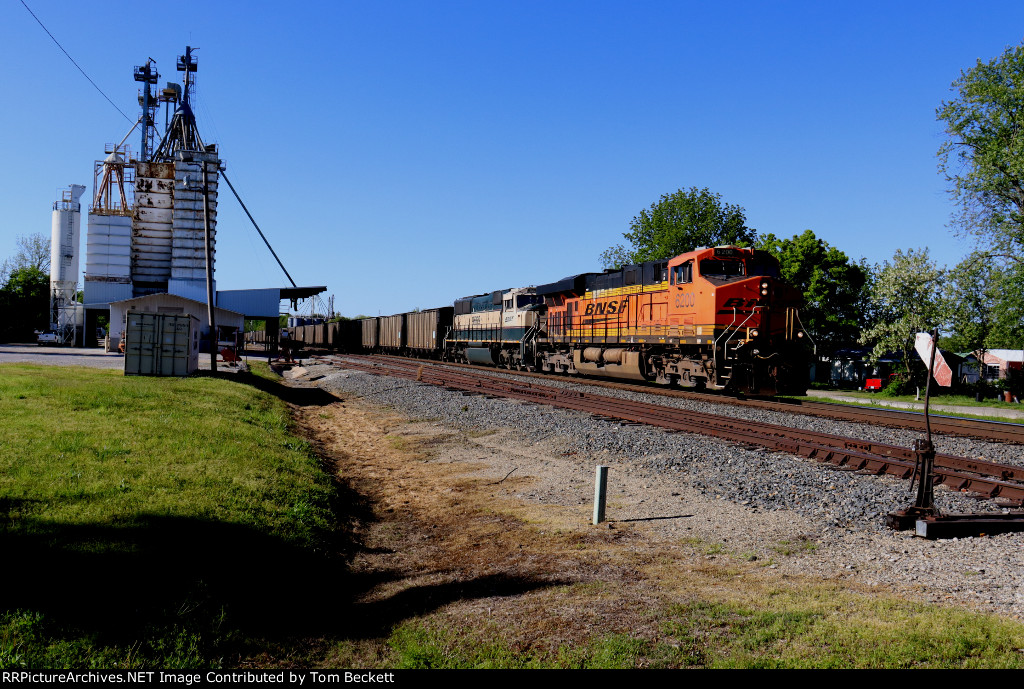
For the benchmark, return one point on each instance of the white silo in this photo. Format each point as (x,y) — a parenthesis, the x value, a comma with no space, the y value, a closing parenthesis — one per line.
(64,238)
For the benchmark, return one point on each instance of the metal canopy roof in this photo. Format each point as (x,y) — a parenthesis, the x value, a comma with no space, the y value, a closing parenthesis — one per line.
(294,293)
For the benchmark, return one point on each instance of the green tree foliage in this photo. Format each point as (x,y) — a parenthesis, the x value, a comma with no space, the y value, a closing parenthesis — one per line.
(1008,326)
(834,288)
(983,157)
(33,251)
(680,222)
(907,297)
(25,303)
(974,300)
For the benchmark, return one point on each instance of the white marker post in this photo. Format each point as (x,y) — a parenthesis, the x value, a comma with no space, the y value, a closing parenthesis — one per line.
(600,491)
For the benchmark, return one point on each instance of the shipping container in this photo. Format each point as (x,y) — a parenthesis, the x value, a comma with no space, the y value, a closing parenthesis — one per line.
(161,344)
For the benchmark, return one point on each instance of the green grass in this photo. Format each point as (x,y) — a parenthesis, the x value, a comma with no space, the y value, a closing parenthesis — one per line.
(416,645)
(815,628)
(142,519)
(876,402)
(178,523)
(827,629)
(948,400)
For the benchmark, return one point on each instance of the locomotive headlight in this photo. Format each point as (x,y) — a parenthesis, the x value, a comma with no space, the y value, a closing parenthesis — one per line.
(800,333)
(753,332)
(764,288)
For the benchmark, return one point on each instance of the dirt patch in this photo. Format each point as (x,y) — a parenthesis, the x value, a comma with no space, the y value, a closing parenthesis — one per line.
(495,536)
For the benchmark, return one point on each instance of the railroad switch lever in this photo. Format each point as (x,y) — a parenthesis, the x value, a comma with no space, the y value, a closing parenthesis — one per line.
(924,504)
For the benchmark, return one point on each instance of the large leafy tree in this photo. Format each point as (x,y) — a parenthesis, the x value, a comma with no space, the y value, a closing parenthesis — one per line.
(33,251)
(1008,314)
(834,288)
(680,222)
(983,156)
(25,303)
(974,299)
(907,298)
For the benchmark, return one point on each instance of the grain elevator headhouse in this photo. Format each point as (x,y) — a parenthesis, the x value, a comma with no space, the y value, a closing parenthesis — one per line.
(168,194)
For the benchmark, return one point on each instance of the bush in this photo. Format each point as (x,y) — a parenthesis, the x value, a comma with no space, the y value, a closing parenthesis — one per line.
(899,384)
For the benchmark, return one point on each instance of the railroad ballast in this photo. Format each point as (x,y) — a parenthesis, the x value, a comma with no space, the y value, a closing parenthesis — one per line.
(719,318)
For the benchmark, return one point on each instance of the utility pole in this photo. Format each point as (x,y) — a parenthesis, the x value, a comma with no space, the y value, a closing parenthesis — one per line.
(209,269)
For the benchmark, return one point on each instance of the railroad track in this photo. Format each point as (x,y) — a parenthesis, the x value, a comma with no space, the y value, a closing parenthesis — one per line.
(979,477)
(891,418)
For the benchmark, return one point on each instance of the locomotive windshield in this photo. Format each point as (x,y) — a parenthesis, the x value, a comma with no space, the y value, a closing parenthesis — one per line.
(721,270)
(525,300)
(763,264)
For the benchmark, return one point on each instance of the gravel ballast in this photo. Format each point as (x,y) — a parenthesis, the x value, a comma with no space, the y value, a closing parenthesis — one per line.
(795,515)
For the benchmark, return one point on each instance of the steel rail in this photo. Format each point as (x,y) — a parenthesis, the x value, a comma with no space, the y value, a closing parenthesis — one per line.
(988,479)
(998,431)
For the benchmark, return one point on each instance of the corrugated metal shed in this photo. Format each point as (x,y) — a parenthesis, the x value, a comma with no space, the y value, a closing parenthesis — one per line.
(101,292)
(171,303)
(254,303)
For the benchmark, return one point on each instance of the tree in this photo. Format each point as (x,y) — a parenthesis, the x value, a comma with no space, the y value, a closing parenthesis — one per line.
(985,300)
(973,299)
(1008,324)
(834,288)
(680,222)
(983,158)
(25,303)
(33,252)
(907,297)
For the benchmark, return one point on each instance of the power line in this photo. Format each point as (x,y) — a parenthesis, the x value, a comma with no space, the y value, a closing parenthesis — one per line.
(73,61)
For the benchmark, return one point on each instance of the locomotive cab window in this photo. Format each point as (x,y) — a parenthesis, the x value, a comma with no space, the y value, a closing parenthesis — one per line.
(763,266)
(721,270)
(682,274)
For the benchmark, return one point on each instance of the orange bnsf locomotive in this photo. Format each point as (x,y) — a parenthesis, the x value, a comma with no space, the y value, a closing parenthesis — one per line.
(717,318)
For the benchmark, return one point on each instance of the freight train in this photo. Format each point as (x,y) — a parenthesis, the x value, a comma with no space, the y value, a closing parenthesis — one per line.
(718,318)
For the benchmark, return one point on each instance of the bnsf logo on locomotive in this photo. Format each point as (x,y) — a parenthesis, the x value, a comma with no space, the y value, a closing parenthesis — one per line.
(605,308)
(738,303)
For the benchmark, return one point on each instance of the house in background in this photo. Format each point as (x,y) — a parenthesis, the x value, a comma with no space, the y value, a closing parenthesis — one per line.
(1000,362)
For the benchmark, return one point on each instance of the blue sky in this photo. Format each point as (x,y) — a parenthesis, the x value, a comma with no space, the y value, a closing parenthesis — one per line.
(408,153)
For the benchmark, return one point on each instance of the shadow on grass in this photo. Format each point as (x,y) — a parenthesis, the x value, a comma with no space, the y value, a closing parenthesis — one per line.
(227,584)
(301,396)
(117,582)
(232,586)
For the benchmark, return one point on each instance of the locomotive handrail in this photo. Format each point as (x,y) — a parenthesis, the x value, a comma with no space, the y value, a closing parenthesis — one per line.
(796,313)
(714,348)
(725,346)
(532,330)
(739,327)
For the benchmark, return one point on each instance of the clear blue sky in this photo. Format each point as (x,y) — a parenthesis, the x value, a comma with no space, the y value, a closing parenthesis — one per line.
(408,153)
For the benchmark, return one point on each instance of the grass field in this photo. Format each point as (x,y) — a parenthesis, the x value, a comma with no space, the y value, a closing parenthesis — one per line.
(153,521)
(948,400)
(181,523)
